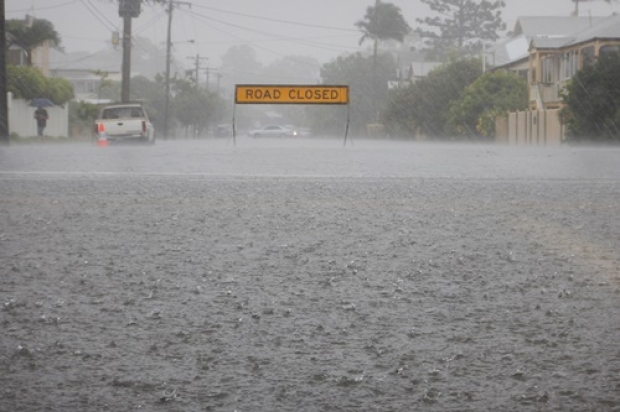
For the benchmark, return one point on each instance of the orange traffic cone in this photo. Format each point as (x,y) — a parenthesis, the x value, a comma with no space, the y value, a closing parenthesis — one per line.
(102,138)
(102,141)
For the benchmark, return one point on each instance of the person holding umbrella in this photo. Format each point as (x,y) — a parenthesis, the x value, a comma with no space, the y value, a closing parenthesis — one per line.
(41,117)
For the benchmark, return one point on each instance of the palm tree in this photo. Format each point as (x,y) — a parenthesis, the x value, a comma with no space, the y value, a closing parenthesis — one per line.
(29,36)
(383,21)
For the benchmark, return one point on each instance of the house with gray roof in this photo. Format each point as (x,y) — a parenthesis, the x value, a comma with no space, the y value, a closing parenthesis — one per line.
(548,52)
(553,61)
(513,53)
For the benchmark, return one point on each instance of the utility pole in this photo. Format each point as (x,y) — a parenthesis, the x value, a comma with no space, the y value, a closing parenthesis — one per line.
(125,85)
(127,9)
(4,111)
(171,4)
(198,59)
(219,78)
(210,70)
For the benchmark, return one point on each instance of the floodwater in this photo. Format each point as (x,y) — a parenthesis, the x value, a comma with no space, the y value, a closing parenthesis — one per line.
(301,275)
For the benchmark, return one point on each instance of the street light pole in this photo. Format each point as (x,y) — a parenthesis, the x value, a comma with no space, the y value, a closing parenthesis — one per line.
(171,5)
(4,112)
(168,48)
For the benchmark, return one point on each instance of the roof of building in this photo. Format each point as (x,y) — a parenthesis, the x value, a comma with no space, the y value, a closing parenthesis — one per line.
(606,28)
(550,42)
(553,26)
(552,32)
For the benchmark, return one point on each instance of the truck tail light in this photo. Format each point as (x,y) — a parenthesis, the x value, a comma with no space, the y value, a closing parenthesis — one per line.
(144,126)
(100,127)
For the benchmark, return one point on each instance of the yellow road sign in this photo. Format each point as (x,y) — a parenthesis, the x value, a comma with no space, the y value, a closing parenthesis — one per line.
(291,94)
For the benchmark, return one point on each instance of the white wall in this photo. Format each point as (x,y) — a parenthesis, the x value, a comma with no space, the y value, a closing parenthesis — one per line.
(21,119)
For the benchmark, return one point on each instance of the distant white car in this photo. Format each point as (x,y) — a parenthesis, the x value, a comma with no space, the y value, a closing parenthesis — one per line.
(304,132)
(273,131)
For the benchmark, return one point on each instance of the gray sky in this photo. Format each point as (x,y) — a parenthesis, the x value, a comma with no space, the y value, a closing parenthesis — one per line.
(319,28)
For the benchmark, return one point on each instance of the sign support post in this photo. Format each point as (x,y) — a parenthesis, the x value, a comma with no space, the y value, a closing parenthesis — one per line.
(346,131)
(234,130)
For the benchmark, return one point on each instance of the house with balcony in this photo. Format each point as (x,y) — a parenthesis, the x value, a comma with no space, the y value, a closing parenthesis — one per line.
(548,52)
(513,52)
(553,61)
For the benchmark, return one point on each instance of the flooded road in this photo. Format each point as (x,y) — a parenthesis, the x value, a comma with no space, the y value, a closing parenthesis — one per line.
(280,275)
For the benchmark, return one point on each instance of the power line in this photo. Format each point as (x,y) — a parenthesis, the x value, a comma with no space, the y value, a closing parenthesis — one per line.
(97,17)
(78,60)
(150,23)
(44,8)
(101,14)
(257,46)
(275,36)
(276,20)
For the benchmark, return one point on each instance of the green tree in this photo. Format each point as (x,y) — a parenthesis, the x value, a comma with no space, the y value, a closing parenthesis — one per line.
(424,106)
(29,37)
(356,71)
(25,82)
(152,94)
(58,90)
(382,22)
(592,98)
(461,25)
(29,83)
(491,95)
(81,117)
(191,106)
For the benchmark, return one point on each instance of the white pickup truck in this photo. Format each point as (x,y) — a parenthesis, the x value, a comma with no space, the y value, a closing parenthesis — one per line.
(124,122)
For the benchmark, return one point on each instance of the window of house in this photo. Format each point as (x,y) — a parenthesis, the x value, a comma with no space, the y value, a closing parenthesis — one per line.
(565,66)
(610,49)
(548,66)
(569,65)
(587,56)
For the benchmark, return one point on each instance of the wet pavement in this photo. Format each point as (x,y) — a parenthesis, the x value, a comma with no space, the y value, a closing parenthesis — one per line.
(303,275)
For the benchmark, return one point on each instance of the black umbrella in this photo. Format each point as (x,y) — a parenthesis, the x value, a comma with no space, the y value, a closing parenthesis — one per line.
(41,103)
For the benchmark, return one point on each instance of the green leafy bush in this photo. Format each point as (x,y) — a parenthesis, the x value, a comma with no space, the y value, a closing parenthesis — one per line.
(592,111)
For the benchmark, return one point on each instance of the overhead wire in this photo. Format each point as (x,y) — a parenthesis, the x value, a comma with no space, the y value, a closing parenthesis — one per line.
(96,14)
(245,41)
(44,8)
(274,20)
(276,37)
(68,64)
(259,47)
(150,23)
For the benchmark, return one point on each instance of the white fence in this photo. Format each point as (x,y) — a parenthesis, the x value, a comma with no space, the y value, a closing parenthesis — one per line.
(21,119)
